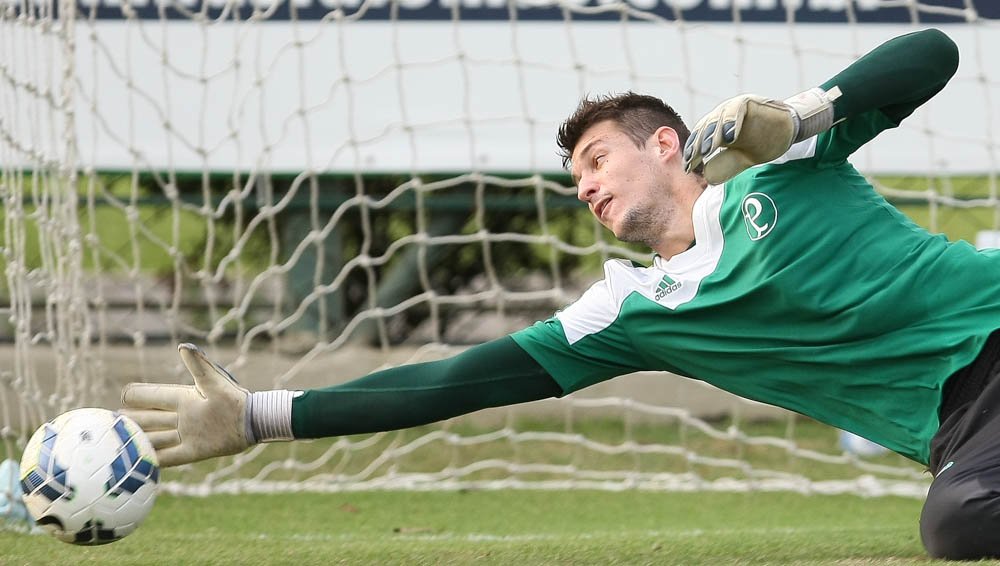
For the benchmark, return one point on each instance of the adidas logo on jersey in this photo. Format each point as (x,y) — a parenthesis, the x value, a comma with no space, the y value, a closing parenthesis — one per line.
(666,286)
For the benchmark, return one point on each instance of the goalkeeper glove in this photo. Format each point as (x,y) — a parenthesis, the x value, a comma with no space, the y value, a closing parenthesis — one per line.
(214,417)
(747,130)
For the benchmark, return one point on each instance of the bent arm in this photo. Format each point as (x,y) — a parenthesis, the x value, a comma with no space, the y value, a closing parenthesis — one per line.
(493,374)
(874,93)
(895,77)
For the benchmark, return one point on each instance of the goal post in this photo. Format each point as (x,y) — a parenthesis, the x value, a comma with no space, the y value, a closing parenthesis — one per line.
(315,189)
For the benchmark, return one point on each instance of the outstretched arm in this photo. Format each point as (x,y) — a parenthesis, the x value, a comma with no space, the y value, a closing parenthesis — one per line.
(493,374)
(217,417)
(894,78)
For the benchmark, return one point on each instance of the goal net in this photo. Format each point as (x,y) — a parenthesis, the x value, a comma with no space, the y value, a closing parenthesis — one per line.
(311,190)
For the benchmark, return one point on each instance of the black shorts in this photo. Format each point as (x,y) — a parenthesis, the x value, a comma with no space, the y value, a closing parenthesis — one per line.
(961,516)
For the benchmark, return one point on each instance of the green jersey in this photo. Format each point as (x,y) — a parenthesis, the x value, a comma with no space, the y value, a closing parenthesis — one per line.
(805,289)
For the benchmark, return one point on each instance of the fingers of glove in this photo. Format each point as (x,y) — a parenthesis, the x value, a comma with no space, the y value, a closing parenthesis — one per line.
(694,146)
(188,452)
(725,165)
(731,116)
(703,143)
(708,139)
(149,420)
(209,377)
(163,439)
(161,396)
(175,455)
(691,160)
(729,132)
(716,130)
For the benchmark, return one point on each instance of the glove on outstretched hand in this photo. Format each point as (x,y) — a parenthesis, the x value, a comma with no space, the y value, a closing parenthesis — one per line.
(188,423)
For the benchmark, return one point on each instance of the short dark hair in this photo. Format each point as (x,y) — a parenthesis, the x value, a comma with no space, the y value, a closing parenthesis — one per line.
(638,116)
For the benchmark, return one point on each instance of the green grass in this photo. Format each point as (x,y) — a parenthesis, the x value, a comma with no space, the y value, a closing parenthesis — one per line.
(517,527)
(506,527)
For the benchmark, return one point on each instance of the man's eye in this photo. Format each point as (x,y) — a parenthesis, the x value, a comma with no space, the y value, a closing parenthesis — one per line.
(599,160)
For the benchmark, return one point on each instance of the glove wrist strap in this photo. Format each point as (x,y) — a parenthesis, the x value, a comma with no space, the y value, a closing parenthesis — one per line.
(269,416)
(814,111)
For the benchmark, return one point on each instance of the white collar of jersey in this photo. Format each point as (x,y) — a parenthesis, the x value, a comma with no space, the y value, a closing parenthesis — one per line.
(707,234)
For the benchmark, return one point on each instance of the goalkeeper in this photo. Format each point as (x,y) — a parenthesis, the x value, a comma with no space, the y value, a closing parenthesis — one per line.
(779,274)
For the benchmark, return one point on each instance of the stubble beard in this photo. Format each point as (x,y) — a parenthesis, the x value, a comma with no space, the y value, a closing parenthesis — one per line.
(644,225)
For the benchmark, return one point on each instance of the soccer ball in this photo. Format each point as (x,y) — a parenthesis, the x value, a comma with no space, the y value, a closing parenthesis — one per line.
(89,476)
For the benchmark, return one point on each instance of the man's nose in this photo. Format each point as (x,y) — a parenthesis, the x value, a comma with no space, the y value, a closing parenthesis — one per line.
(586,188)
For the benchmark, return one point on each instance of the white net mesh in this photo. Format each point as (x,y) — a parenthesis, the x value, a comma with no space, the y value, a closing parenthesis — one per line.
(312,190)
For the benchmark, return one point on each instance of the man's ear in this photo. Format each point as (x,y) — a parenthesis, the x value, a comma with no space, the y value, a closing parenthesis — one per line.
(668,142)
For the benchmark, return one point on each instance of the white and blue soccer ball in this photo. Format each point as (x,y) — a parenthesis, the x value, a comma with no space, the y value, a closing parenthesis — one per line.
(89,476)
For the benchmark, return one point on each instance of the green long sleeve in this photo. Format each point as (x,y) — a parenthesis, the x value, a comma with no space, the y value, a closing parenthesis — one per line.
(897,76)
(493,374)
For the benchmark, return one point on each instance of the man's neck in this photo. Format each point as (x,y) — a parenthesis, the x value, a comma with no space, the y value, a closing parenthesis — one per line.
(674,248)
(682,236)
